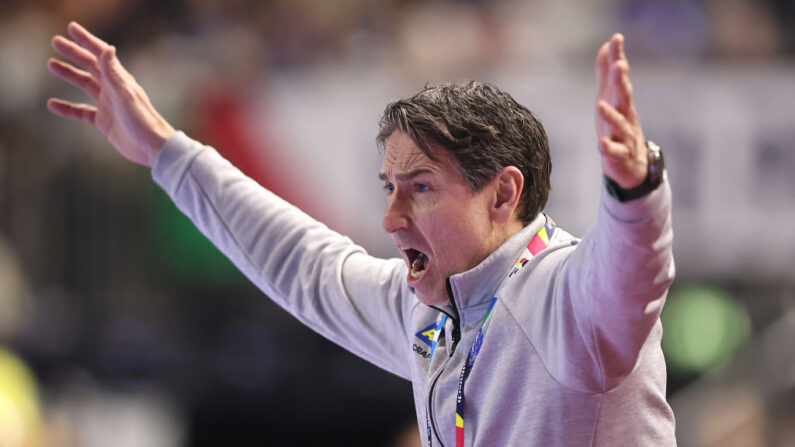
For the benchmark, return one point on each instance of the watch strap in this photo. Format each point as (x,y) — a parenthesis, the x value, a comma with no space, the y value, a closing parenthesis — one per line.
(653,177)
(625,195)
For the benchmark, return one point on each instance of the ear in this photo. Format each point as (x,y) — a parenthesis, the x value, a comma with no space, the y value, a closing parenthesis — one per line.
(507,187)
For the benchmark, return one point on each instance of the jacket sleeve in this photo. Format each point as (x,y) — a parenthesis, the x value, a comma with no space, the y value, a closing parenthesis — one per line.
(613,285)
(317,275)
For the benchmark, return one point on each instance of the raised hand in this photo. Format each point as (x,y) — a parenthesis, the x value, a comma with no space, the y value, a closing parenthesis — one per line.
(123,112)
(620,137)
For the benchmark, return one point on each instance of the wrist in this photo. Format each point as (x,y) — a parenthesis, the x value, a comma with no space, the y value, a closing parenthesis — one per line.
(160,135)
(654,177)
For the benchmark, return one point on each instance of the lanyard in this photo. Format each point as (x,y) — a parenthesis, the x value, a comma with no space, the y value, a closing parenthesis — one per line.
(470,361)
(539,242)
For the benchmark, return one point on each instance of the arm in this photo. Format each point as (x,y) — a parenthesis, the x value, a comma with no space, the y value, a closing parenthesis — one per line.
(619,274)
(319,276)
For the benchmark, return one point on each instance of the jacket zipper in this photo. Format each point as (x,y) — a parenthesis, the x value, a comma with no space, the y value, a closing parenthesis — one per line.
(456,318)
(430,409)
(456,337)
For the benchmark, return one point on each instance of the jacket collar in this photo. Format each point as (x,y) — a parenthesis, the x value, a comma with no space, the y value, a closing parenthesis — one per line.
(477,285)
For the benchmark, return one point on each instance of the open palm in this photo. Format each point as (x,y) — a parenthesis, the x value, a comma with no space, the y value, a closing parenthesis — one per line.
(620,137)
(123,112)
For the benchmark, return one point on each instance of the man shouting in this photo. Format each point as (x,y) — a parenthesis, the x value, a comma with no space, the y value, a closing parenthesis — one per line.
(512,331)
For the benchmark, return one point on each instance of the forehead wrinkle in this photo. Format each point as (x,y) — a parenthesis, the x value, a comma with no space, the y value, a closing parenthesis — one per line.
(402,162)
(411,162)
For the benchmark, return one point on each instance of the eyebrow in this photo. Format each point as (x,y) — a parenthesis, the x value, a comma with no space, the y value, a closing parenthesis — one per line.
(406,175)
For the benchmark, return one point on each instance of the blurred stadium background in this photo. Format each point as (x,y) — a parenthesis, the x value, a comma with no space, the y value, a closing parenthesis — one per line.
(120,325)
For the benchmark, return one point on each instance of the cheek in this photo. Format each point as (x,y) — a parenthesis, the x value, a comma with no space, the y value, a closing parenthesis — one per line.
(468,217)
(456,236)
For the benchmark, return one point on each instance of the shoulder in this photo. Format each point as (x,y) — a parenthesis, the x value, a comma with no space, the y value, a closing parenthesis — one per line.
(531,281)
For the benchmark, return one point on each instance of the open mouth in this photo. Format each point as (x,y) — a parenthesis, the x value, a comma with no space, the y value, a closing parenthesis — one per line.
(418,262)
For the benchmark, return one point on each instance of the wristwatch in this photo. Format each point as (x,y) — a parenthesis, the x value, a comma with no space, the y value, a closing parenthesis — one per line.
(653,178)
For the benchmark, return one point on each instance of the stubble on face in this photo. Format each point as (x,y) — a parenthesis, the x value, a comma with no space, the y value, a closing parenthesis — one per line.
(432,213)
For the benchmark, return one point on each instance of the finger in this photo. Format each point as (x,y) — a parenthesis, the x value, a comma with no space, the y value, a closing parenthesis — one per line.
(621,90)
(79,78)
(78,56)
(601,66)
(111,67)
(616,48)
(622,55)
(82,112)
(626,94)
(86,40)
(619,128)
(612,149)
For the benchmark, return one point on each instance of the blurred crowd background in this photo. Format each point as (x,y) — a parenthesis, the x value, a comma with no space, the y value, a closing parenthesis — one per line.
(121,325)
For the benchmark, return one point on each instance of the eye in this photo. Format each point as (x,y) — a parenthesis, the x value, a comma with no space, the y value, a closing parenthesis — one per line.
(389,188)
(421,187)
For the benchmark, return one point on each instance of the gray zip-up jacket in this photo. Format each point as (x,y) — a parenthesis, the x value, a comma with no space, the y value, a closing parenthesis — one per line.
(571,353)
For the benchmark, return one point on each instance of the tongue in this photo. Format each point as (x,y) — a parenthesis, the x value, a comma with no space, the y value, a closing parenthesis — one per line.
(419,262)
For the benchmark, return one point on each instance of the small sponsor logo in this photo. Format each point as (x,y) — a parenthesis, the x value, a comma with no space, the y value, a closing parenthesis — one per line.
(521,262)
(421,351)
(426,334)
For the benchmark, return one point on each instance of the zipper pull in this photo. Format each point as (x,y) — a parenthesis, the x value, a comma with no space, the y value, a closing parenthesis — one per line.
(456,334)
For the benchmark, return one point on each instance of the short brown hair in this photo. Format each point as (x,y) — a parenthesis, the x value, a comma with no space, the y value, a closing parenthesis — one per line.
(484,130)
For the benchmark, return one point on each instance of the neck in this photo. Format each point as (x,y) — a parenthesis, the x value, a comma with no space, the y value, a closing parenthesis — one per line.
(504,232)
(500,233)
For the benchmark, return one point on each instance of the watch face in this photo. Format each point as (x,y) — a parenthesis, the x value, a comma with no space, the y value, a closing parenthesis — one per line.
(656,162)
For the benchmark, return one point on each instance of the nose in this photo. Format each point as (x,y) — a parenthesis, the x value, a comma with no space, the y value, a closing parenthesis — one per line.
(395,216)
